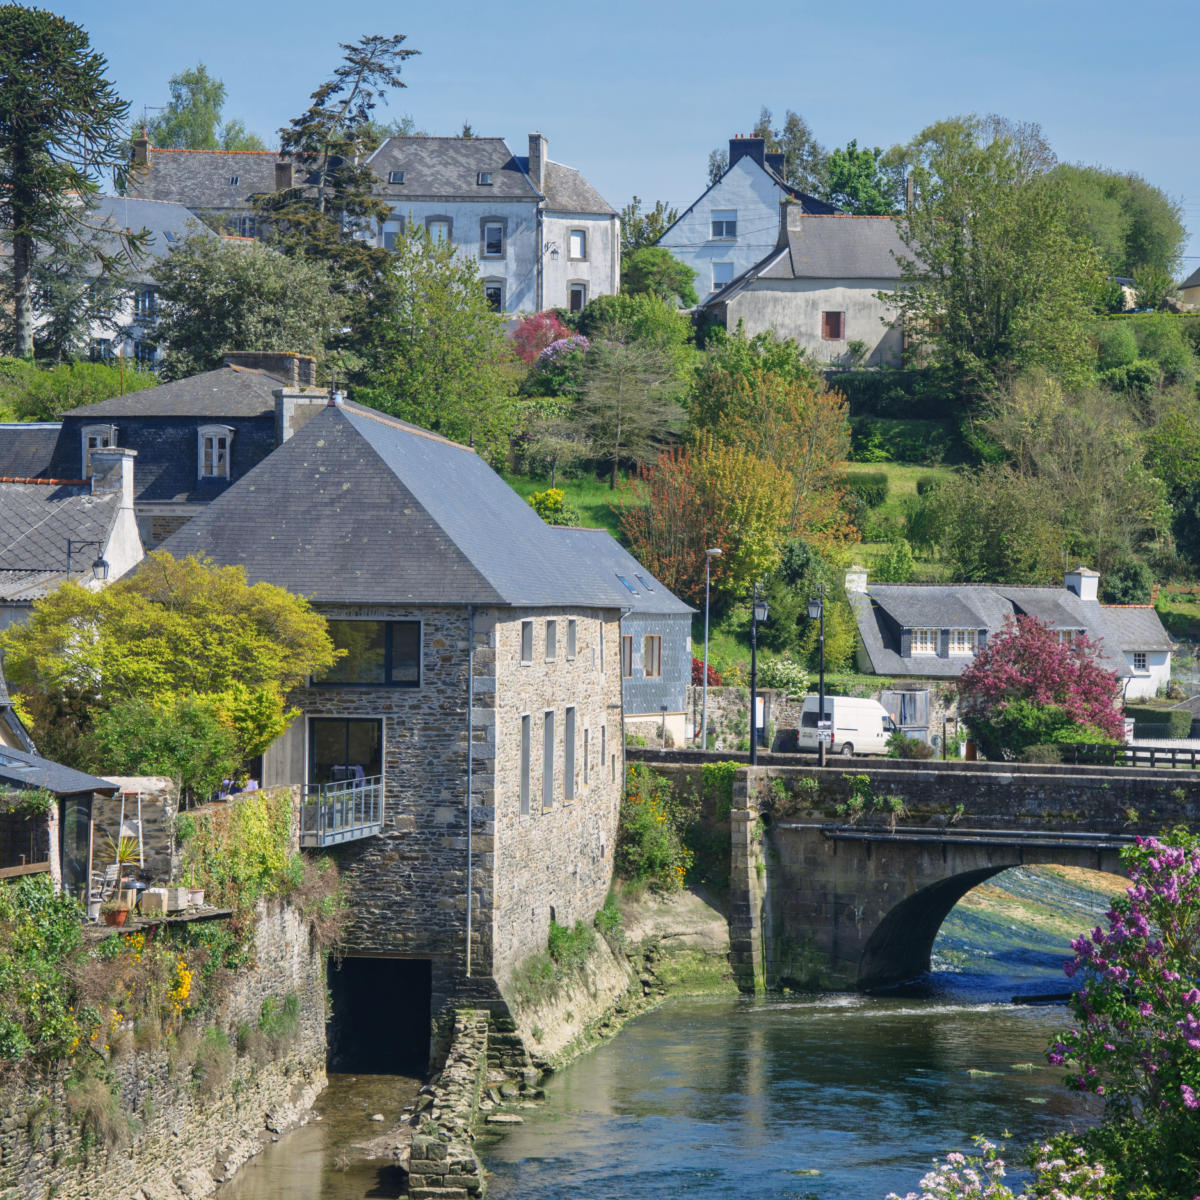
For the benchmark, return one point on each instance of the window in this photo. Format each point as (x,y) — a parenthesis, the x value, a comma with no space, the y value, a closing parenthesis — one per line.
(577,297)
(724,224)
(493,293)
(629,586)
(722,274)
(642,580)
(569,756)
(145,303)
(95,437)
(577,243)
(652,656)
(572,636)
(525,735)
(603,745)
(1067,636)
(389,239)
(602,647)
(587,750)
(144,352)
(548,760)
(100,349)
(233,181)
(395,177)
(378,654)
(627,657)
(245,226)
(484,179)
(924,641)
(833,326)
(526,643)
(493,239)
(341,750)
(439,228)
(212,451)
(551,640)
(962,641)
(1141,661)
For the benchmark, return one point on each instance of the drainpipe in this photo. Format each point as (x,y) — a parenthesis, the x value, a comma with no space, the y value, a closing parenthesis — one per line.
(470,755)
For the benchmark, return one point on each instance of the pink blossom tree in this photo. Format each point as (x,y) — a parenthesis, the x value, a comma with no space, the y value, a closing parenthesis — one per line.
(535,332)
(1028,685)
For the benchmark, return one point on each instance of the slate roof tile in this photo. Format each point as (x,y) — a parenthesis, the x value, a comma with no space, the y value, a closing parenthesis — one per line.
(36,519)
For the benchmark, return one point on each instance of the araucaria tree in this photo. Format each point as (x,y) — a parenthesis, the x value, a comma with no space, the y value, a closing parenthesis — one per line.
(331,214)
(1028,685)
(61,125)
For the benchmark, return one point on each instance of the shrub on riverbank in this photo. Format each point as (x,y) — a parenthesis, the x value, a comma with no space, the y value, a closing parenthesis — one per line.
(650,847)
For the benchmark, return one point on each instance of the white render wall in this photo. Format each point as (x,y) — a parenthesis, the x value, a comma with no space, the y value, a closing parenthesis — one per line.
(793,308)
(755,196)
(1156,679)
(599,272)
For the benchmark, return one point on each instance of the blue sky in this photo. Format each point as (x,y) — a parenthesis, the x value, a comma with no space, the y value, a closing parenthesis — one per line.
(635,94)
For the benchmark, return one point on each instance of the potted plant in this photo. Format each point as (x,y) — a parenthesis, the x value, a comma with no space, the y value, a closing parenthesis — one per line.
(114,912)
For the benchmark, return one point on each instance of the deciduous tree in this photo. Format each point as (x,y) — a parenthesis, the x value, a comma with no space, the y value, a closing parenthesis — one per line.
(192,120)
(656,271)
(640,228)
(859,182)
(61,126)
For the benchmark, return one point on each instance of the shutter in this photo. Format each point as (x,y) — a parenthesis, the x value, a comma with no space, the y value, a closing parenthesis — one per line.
(981,640)
(920,708)
(943,643)
(905,643)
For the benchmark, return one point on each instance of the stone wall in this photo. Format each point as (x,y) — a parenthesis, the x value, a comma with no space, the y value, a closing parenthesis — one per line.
(159,803)
(175,1141)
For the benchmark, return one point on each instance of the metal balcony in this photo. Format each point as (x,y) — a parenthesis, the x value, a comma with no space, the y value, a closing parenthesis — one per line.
(333,813)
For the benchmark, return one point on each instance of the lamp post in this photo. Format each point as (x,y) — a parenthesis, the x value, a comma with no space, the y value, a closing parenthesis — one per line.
(758,612)
(709,555)
(816,612)
(99,567)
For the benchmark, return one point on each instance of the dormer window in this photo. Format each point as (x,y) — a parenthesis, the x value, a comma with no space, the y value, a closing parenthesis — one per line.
(962,641)
(924,641)
(213,444)
(95,437)
(484,179)
(395,177)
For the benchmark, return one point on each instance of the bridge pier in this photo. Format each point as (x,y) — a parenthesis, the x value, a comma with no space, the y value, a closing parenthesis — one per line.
(748,917)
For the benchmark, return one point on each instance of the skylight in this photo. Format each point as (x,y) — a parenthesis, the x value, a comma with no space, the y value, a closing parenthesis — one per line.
(484,178)
(395,177)
(642,580)
(627,584)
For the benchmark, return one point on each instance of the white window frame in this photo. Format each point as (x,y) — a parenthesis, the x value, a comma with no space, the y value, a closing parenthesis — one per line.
(1141,662)
(94,437)
(723,225)
(498,226)
(214,433)
(395,177)
(924,641)
(440,229)
(726,268)
(963,641)
(577,289)
(145,303)
(580,237)
(652,655)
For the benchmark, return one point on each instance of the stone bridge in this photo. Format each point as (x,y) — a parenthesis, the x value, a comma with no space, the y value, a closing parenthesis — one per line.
(841,876)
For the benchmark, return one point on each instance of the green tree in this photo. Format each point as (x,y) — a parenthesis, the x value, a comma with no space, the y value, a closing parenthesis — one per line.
(61,126)
(995,280)
(443,357)
(168,632)
(646,319)
(332,214)
(217,295)
(654,270)
(858,181)
(191,119)
(73,301)
(374,133)
(804,160)
(33,393)
(640,229)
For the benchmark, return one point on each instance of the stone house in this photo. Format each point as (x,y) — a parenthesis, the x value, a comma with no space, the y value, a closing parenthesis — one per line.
(192,438)
(923,635)
(821,286)
(656,640)
(1189,289)
(52,527)
(464,761)
(542,236)
(734,224)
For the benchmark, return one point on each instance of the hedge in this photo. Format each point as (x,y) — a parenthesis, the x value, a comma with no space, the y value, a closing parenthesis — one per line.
(1149,721)
(871,487)
(898,393)
(876,439)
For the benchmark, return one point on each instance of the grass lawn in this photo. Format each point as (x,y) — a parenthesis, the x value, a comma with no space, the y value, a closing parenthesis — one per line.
(591,498)
(1179,611)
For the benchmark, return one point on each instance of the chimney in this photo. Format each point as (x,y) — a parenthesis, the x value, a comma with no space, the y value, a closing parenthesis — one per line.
(294,409)
(775,162)
(908,193)
(1082,581)
(141,152)
(112,471)
(295,370)
(791,217)
(537,161)
(856,580)
(284,176)
(747,147)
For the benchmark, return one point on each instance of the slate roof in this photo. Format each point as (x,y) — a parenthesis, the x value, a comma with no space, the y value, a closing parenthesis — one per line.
(449,167)
(838,246)
(11,722)
(200,179)
(1193,280)
(36,519)
(358,507)
(566,190)
(610,560)
(1136,627)
(225,392)
(26,448)
(25,769)
(167,223)
(886,609)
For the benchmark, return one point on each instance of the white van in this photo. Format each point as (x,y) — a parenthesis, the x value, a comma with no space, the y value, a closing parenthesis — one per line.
(855,726)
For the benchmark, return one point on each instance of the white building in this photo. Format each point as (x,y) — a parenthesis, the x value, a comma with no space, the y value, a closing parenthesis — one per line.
(542,235)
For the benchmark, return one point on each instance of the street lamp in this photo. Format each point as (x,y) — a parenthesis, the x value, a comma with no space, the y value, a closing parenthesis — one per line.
(99,567)
(709,555)
(816,612)
(758,613)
